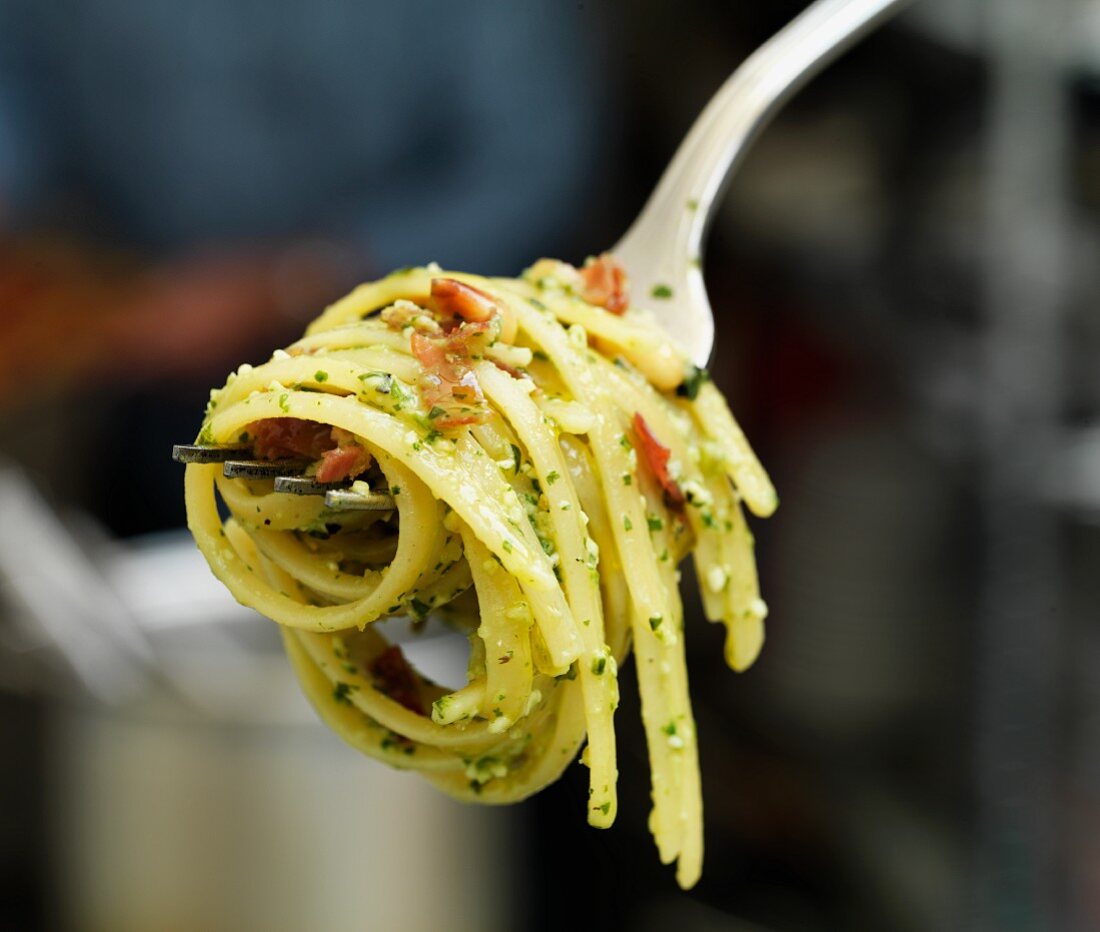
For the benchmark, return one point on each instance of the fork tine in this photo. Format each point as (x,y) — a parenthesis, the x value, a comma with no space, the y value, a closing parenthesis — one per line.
(208,452)
(340,500)
(287,474)
(262,469)
(306,485)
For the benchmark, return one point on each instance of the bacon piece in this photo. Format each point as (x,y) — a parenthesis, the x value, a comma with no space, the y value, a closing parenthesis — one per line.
(460,300)
(604,283)
(656,455)
(448,382)
(277,438)
(431,354)
(285,437)
(394,677)
(343,462)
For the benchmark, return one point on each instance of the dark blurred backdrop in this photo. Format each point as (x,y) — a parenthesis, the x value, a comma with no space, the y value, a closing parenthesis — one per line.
(906,283)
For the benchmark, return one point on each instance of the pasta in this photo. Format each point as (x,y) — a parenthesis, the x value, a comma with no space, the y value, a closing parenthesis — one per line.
(551,460)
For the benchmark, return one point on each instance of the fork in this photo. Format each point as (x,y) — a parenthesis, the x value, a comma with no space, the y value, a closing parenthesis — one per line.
(662,249)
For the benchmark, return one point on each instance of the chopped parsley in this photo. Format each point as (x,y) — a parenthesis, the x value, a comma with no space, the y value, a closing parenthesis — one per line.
(655,622)
(385,381)
(396,742)
(552,477)
(341,692)
(599,665)
(320,376)
(400,395)
(693,381)
(627,524)
(661,291)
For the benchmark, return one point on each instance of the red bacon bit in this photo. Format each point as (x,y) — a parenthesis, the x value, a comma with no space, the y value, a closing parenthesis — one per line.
(656,455)
(604,283)
(394,677)
(341,457)
(277,438)
(431,354)
(456,299)
(448,382)
(343,463)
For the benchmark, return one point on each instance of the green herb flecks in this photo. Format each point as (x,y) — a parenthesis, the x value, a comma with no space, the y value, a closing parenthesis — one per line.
(693,381)
(341,692)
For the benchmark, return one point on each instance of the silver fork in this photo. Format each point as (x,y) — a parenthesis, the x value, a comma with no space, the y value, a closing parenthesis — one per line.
(237,463)
(662,250)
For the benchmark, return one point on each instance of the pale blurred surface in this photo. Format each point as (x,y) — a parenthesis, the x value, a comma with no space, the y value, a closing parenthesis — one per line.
(178,824)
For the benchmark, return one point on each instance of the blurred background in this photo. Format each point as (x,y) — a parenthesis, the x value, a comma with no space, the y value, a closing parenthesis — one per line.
(906,275)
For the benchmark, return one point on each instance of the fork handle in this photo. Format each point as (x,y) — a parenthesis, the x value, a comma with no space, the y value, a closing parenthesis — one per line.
(664,244)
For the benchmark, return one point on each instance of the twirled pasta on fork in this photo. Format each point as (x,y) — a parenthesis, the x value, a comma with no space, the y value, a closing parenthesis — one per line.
(551,459)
